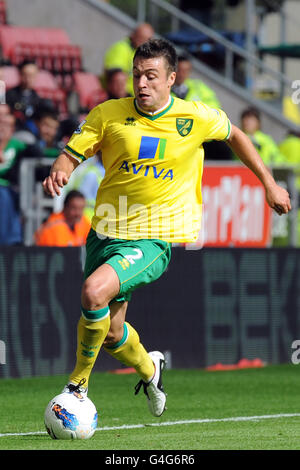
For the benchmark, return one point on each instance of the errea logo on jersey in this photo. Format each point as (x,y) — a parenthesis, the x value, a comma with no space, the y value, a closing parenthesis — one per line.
(130,121)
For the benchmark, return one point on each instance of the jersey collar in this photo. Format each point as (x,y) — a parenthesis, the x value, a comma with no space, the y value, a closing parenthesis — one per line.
(156,114)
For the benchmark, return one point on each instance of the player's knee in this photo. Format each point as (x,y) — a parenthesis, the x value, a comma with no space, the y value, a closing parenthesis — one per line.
(94,294)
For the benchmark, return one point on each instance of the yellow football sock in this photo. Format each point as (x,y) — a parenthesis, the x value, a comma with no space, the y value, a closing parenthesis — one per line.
(132,353)
(92,329)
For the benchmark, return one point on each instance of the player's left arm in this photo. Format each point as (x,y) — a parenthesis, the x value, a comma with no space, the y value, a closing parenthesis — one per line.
(276,196)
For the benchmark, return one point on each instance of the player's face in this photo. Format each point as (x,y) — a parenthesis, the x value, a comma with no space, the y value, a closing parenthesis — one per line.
(152,82)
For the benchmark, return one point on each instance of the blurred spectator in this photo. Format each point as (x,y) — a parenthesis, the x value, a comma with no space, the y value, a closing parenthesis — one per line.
(67,228)
(10,152)
(264,144)
(42,133)
(120,54)
(291,110)
(66,128)
(87,177)
(290,148)
(191,89)
(4,111)
(87,180)
(116,83)
(47,126)
(23,99)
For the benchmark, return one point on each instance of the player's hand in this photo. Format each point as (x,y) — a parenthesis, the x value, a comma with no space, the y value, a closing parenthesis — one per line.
(278,199)
(54,182)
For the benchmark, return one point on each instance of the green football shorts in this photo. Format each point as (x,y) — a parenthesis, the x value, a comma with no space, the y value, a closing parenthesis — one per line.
(136,262)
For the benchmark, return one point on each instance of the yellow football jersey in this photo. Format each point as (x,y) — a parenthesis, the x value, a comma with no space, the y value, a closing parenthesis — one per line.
(153,166)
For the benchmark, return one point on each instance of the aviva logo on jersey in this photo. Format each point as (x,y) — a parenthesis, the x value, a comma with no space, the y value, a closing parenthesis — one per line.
(150,147)
(147,170)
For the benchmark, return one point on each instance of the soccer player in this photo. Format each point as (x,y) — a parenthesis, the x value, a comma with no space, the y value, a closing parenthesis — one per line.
(150,197)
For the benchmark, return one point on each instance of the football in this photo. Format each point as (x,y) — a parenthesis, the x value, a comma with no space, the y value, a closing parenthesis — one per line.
(67,416)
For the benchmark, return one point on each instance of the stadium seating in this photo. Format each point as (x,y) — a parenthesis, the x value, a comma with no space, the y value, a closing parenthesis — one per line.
(59,61)
(208,50)
(47,87)
(11,36)
(10,75)
(50,48)
(3,12)
(89,90)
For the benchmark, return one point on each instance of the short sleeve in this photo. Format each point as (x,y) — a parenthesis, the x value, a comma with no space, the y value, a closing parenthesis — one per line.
(216,123)
(219,126)
(86,139)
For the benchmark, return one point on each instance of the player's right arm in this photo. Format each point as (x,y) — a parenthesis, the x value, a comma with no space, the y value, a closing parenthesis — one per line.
(60,173)
(84,143)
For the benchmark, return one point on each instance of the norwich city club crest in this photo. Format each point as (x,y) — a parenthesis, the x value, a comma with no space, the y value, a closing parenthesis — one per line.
(184,126)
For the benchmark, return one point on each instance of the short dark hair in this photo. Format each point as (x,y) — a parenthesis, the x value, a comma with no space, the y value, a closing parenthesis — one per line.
(110,73)
(183,58)
(72,195)
(26,62)
(45,110)
(253,112)
(158,48)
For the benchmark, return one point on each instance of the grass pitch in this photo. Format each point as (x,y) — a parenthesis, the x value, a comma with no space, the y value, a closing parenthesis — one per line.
(250,409)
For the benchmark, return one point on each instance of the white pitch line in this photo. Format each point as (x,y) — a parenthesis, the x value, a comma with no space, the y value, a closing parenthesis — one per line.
(171,423)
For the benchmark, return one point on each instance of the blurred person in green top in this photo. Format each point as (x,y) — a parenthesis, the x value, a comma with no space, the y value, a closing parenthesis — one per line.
(87,180)
(42,133)
(290,148)
(192,89)
(264,144)
(120,54)
(11,151)
(116,84)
